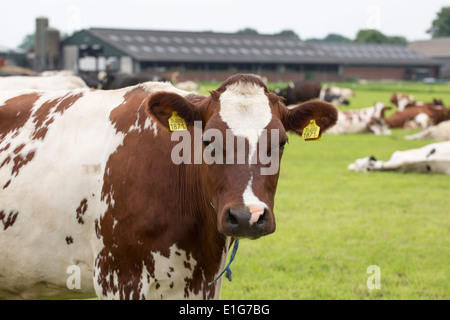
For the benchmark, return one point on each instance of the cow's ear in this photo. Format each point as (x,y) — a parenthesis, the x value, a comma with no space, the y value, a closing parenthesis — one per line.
(297,118)
(163,104)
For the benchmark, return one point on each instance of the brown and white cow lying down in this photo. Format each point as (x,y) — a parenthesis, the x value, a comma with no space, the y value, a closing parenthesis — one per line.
(402,100)
(433,158)
(430,113)
(88,185)
(369,119)
(53,82)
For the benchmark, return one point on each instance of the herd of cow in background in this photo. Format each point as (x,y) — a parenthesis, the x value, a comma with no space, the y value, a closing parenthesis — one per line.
(433,118)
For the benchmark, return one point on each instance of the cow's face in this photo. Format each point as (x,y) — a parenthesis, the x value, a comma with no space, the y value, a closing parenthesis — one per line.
(243,139)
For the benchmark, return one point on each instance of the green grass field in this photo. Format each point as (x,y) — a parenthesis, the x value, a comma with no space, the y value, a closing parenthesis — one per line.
(332,223)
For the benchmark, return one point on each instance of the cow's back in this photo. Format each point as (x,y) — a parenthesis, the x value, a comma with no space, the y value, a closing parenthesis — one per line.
(55,82)
(53,148)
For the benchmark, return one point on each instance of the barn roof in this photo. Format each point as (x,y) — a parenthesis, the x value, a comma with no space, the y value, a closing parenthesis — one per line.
(210,47)
(435,48)
(374,54)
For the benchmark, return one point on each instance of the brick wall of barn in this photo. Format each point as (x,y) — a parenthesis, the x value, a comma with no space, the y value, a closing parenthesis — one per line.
(347,73)
(220,76)
(374,73)
(381,73)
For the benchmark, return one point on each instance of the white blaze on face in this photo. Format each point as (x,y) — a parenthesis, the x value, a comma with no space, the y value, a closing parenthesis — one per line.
(245,108)
(252,202)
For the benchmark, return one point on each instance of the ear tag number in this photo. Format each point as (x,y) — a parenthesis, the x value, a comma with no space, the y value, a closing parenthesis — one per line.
(311,132)
(176,123)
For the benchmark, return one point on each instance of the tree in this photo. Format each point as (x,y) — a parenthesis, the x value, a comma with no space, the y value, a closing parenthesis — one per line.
(333,37)
(288,33)
(27,42)
(440,26)
(370,36)
(247,31)
(375,36)
(398,40)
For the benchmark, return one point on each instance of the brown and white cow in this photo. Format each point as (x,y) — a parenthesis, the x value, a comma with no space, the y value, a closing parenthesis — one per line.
(369,119)
(402,100)
(435,113)
(432,158)
(88,184)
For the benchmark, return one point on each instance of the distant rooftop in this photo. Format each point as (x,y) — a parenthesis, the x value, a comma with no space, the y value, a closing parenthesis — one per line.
(209,46)
(386,54)
(435,48)
(152,45)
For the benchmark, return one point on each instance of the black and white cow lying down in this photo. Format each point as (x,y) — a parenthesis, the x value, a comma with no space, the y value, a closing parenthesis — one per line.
(432,158)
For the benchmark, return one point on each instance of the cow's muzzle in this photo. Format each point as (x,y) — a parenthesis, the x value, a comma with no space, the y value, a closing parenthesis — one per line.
(247,223)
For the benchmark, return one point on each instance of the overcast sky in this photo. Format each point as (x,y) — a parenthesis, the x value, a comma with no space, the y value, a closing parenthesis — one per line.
(309,19)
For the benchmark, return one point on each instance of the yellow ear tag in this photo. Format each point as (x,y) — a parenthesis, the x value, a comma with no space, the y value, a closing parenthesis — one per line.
(176,123)
(311,132)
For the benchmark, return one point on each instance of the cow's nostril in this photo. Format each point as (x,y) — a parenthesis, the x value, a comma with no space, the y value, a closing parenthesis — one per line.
(231,218)
(262,218)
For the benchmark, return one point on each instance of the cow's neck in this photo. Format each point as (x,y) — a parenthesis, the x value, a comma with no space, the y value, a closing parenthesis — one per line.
(209,248)
(158,223)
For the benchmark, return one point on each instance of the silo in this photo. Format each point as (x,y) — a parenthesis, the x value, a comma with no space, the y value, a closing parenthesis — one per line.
(39,46)
(52,47)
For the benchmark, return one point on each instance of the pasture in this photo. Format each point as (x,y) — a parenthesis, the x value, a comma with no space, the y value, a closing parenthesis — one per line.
(332,223)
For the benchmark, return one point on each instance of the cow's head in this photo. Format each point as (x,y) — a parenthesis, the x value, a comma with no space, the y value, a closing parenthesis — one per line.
(244,126)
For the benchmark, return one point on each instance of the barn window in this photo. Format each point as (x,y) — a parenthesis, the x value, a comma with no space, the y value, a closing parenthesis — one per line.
(133,48)
(127,38)
(139,39)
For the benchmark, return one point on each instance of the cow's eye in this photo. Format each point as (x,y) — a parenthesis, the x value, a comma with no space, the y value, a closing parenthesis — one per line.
(283,143)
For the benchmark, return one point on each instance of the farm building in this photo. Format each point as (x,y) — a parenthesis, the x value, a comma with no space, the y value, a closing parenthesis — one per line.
(12,57)
(438,49)
(206,56)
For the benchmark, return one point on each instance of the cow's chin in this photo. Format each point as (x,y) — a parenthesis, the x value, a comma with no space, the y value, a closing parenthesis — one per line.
(250,235)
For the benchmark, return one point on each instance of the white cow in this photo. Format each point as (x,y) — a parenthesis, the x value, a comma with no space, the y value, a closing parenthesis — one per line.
(57,82)
(432,158)
(346,93)
(440,131)
(52,73)
(369,119)
(188,85)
